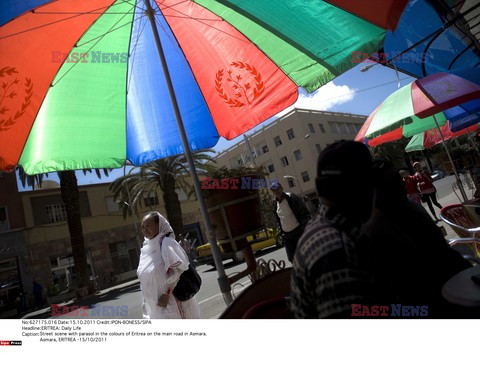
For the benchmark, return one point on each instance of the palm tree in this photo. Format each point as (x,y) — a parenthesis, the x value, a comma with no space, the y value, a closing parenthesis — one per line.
(167,174)
(27,180)
(70,197)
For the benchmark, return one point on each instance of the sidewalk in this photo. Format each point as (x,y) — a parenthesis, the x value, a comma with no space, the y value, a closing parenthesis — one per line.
(46,311)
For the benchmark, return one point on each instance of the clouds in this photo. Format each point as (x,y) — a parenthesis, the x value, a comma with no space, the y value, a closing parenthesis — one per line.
(326,97)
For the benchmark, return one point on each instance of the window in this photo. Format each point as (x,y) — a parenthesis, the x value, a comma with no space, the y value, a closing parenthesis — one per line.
(351,128)
(113,206)
(290,134)
(322,129)
(63,271)
(305,176)
(297,154)
(310,127)
(3,219)
(333,127)
(56,213)
(265,148)
(319,149)
(342,127)
(271,168)
(291,182)
(284,161)
(277,141)
(150,198)
(124,256)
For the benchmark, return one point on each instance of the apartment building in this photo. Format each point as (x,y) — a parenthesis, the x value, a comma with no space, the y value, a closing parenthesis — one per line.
(289,146)
(35,241)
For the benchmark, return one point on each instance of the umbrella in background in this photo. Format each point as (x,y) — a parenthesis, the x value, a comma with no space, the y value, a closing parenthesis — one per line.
(463,116)
(415,107)
(434,36)
(462,119)
(430,138)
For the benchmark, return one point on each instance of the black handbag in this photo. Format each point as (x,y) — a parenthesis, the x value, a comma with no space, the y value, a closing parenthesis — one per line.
(189,282)
(188,285)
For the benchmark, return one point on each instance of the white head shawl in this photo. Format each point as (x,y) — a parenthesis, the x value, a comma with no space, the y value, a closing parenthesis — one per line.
(164,226)
(150,257)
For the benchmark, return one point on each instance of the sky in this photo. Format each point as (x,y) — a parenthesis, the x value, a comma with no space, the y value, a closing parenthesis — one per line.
(352,92)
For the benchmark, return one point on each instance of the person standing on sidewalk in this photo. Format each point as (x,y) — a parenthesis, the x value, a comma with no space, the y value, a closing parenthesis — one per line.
(292,216)
(162,261)
(428,191)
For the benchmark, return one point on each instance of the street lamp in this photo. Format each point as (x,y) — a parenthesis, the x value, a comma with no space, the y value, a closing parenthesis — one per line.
(293,165)
(366,68)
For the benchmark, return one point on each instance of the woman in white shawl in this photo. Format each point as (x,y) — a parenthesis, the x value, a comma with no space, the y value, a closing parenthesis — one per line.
(162,260)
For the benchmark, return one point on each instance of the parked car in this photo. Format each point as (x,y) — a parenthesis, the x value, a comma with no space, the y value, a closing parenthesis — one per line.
(437,175)
(261,240)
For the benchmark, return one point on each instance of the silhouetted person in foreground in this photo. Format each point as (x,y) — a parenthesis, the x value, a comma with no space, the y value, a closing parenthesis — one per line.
(412,258)
(332,264)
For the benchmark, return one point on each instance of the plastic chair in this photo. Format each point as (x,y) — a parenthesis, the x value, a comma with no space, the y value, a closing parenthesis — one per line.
(266,298)
(459,219)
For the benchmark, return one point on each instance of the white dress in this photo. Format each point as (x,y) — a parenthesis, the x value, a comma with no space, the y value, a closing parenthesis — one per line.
(158,270)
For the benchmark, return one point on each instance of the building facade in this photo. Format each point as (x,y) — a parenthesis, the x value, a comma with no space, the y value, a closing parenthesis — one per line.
(13,247)
(289,146)
(35,241)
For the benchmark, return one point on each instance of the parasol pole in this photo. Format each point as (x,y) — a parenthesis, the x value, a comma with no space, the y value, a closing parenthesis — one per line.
(459,182)
(222,278)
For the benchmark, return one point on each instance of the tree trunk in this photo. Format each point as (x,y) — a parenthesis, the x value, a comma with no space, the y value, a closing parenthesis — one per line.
(70,197)
(172,204)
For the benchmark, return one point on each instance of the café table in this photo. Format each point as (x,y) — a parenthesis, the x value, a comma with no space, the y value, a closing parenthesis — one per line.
(461,289)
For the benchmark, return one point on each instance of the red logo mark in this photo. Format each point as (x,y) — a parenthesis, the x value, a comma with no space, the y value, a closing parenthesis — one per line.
(244,81)
(8,101)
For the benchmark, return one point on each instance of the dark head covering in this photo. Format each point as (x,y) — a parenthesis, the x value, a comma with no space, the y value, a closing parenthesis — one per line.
(343,164)
(344,176)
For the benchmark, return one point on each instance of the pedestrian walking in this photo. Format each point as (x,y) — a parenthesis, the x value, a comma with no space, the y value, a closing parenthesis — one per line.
(410,183)
(428,191)
(162,261)
(292,216)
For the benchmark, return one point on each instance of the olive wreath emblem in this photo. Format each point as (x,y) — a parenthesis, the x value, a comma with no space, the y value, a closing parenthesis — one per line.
(243,92)
(5,93)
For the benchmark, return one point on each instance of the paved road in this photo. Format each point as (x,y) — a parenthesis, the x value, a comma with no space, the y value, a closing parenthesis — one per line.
(209,297)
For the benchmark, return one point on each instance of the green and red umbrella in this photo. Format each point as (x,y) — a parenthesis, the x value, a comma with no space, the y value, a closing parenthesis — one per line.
(416,107)
(430,138)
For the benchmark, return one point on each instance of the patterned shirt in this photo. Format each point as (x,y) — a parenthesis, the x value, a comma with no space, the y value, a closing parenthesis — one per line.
(330,269)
